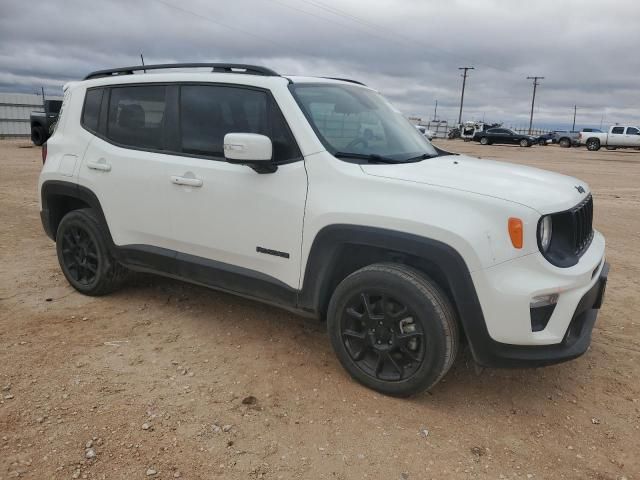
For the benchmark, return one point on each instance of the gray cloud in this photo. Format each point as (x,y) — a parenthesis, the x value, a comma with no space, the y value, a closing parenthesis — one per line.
(409,49)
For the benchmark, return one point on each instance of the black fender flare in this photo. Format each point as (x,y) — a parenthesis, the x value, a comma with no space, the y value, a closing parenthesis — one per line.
(52,189)
(332,240)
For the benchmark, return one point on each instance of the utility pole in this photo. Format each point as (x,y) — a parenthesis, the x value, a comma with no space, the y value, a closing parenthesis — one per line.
(533,100)
(464,83)
(574,118)
(435,112)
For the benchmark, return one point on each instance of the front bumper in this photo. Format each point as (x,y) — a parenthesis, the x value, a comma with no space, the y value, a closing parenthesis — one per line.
(575,342)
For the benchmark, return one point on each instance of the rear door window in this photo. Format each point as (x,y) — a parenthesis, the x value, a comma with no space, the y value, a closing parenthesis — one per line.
(136,116)
(617,130)
(633,131)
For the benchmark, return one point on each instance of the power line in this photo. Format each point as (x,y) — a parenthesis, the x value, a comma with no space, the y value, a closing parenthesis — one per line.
(533,99)
(464,83)
(381,28)
(225,25)
(384,37)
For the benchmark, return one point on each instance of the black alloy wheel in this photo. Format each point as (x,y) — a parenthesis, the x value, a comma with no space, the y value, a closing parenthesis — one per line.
(393,329)
(85,259)
(381,336)
(80,255)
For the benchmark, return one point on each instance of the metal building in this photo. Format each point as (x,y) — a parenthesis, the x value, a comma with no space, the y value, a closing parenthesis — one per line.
(15,109)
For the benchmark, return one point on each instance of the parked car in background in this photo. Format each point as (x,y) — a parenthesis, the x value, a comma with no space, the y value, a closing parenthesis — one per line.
(429,134)
(546,138)
(565,138)
(42,120)
(618,136)
(504,136)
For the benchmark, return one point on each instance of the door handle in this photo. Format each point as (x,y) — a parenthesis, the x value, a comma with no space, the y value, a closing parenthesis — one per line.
(189,182)
(101,165)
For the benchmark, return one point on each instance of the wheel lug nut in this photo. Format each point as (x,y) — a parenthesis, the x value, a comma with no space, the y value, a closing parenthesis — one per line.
(379,323)
(389,342)
(378,342)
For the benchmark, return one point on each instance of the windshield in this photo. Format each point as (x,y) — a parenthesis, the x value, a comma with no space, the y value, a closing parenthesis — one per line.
(358,121)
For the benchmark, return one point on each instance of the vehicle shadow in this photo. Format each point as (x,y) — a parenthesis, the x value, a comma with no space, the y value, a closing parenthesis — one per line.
(258,324)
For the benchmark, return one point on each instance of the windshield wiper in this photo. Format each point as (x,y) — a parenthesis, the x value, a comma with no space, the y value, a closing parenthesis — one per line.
(375,158)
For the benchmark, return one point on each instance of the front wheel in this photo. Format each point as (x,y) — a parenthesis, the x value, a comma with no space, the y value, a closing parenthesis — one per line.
(393,329)
(525,143)
(81,244)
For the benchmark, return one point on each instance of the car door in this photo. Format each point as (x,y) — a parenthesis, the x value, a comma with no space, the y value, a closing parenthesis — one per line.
(498,136)
(124,164)
(631,137)
(227,216)
(616,137)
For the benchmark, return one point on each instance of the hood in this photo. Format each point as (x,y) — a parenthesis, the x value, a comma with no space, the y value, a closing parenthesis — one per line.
(544,191)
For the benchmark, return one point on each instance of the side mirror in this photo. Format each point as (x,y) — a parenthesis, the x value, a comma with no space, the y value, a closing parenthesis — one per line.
(251,149)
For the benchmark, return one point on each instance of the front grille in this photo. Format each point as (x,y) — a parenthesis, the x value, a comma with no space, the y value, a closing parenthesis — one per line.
(582,225)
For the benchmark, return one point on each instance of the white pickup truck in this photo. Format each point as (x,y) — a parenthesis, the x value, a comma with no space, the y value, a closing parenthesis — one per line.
(618,136)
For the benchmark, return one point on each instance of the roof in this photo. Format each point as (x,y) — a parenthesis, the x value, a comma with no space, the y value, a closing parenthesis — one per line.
(228,72)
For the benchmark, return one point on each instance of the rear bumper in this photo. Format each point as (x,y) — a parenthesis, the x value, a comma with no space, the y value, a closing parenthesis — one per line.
(575,342)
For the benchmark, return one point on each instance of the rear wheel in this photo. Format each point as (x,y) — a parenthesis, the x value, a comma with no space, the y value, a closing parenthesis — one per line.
(81,244)
(484,141)
(564,143)
(593,144)
(38,135)
(393,329)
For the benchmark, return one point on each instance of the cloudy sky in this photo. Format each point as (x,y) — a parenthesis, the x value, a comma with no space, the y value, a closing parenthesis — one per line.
(410,50)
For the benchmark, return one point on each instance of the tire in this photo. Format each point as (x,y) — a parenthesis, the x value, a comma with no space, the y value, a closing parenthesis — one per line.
(38,135)
(393,329)
(484,141)
(525,143)
(593,144)
(85,260)
(564,143)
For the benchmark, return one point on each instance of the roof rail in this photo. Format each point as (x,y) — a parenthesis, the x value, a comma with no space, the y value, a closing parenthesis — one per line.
(345,80)
(215,67)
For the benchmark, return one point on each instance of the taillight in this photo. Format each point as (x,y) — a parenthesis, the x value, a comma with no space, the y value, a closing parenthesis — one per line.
(580,136)
(44,152)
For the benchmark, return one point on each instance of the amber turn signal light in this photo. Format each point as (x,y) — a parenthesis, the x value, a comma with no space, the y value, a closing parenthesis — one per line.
(516,232)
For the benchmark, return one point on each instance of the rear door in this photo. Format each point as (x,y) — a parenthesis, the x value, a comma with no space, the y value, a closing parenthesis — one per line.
(231,217)
(126,167)
(632,137)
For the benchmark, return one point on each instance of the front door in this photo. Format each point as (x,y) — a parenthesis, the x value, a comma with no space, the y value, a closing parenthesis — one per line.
(228,216)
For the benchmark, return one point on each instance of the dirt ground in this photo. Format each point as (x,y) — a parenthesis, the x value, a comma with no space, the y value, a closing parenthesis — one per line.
(185,382)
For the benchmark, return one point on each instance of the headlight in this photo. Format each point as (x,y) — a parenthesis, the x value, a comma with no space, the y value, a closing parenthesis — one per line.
(545,228)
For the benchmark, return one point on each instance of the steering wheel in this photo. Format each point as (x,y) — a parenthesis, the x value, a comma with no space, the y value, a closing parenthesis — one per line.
(353,144)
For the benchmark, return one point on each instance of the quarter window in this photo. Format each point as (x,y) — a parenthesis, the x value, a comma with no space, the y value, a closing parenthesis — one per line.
(91,110)
(136,116)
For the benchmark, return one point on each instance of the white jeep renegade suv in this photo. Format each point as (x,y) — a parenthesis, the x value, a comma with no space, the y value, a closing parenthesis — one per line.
(316,195)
